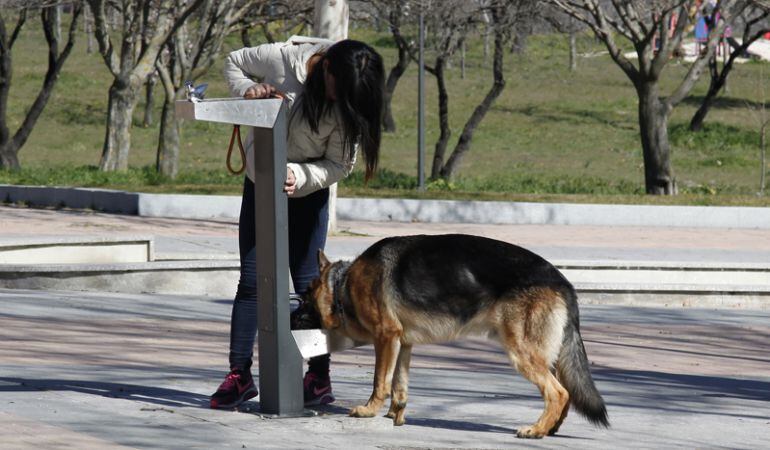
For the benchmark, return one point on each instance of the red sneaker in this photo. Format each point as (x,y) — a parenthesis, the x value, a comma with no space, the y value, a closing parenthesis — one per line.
(317,390)
(236,389)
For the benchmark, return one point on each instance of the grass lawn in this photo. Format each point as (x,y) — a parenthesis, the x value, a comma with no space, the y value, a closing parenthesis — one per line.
(553,135)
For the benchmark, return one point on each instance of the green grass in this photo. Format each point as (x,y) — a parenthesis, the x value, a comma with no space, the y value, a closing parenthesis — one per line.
(553,135)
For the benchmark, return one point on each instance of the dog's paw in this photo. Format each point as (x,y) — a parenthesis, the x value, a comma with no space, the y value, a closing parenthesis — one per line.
(361,411)
(529,433)
(398,416)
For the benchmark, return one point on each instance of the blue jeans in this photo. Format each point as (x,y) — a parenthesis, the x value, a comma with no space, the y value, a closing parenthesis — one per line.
(308,224)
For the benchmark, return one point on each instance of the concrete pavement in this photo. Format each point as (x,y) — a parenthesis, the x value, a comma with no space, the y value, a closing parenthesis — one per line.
(89,370)
(105,370)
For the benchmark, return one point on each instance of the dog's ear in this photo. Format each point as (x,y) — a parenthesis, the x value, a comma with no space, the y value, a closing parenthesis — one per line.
(323,261)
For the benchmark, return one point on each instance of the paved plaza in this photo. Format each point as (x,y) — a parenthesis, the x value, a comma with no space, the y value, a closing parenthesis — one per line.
(106,370)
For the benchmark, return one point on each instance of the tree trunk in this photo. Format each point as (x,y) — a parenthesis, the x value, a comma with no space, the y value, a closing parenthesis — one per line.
(572,52)
(718,81)
(167,162)
(388,123)
(88,28)
(245,38)
(167,157)
(331,19)
(9,159)
(464,143)
(117,143)
(57,10)
(696,123)
(763,164)
(653,128)
(9,147)
(149,91)
(443,118)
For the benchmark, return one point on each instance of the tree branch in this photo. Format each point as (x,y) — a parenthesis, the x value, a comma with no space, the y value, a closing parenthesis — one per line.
(55,63)
(101,32)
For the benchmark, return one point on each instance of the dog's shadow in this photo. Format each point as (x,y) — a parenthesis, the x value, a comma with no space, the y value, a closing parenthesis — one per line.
(458,425)
(423,421)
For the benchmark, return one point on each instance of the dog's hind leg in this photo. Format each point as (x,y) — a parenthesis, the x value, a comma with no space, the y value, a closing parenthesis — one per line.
(563,416)
(400,391)
(531,333)
(386,350)
(556,398)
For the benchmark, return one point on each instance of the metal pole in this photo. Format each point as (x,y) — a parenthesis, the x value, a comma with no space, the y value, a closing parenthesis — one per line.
(421,105)
(280,362)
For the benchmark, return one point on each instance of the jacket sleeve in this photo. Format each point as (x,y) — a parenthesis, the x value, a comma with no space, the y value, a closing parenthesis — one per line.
(315,175)
(244,66)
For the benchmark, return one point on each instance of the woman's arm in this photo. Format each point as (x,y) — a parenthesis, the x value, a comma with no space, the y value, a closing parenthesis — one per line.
(333,167)
(244,66)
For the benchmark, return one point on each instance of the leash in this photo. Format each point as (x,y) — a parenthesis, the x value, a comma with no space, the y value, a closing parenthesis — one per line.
(236,135)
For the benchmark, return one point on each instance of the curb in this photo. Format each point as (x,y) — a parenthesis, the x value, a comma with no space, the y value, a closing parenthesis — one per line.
(185,206)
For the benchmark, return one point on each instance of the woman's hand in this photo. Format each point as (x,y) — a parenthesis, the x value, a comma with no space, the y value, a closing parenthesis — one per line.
(290,185)
(260,90)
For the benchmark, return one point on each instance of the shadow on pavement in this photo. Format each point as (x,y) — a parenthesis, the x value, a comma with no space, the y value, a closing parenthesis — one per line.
(156,395)
(686,393)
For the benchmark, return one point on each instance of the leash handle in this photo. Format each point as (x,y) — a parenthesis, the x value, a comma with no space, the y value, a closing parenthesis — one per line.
(236,135)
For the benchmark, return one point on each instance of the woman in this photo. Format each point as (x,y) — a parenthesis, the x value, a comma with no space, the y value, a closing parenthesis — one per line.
(334,92)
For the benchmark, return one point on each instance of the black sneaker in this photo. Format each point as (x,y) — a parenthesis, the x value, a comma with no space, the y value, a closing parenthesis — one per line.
(317,390)
(236,389)
(304,317)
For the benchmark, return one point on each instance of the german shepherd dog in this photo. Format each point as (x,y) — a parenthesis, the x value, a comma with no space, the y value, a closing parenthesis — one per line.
(426,289)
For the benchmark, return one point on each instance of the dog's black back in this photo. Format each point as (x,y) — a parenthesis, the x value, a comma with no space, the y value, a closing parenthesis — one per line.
(459,275)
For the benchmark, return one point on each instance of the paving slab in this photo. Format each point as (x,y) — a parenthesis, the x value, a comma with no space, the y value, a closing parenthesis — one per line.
(95,370)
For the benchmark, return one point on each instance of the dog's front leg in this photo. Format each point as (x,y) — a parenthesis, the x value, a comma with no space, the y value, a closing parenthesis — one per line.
(386,351)
(400,391)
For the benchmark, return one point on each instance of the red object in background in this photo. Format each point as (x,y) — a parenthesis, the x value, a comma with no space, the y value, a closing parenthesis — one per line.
(767,35)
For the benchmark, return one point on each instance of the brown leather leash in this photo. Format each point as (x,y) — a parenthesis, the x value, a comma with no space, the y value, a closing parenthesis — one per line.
(236,135)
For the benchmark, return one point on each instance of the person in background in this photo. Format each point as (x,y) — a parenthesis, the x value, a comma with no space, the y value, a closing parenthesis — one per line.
(334,94)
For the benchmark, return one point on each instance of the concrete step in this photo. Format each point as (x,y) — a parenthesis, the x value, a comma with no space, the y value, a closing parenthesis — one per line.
(620,282)
(666,273)
(75,250)
(215,278)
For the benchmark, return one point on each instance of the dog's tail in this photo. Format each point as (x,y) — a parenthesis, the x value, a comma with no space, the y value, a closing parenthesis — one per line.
(574,374)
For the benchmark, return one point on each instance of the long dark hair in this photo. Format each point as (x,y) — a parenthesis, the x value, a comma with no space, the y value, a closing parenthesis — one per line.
(359,81)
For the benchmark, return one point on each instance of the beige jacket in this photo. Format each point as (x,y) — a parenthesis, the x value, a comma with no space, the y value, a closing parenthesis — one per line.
(315,158)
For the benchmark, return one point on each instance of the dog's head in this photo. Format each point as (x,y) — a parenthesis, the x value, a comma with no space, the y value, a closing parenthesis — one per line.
(321,293)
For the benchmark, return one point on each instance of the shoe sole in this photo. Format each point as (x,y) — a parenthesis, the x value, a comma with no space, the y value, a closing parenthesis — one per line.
(245,396)
(325,399)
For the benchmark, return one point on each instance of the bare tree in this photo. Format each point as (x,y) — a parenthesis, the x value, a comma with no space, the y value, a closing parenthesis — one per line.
(289,16)
(395,13)
(10,145)
(645,25)
(566,25)
(755,25)
(130,62)
(450,23)
(188,55)
(759,112)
